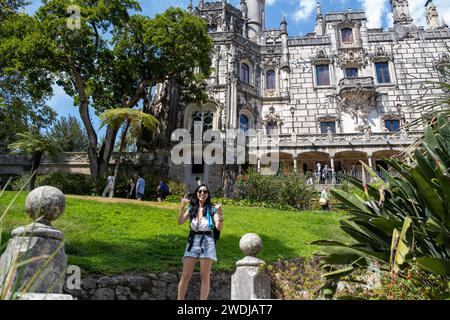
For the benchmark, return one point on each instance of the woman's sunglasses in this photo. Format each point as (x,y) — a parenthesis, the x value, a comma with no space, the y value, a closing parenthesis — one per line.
(203,191)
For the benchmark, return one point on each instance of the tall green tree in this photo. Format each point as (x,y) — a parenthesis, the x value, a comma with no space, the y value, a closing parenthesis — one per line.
(101,72)
(132,121)
(69,135)
(37,145)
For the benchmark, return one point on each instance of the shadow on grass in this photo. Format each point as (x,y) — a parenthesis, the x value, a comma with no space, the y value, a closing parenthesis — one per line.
(160,254)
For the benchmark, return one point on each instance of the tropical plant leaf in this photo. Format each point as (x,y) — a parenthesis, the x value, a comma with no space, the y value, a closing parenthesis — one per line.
(436,266)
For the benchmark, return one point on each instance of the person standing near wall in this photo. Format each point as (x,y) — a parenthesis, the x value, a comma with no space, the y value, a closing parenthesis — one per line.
(140,187)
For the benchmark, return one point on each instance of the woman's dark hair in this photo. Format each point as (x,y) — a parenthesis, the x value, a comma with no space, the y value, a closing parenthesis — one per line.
(195,204)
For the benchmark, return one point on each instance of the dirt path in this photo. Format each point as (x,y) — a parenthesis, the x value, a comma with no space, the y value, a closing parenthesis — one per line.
(163,205)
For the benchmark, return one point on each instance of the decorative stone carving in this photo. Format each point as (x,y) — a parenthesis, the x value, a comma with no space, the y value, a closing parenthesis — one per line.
(351,58)
(381,55)
(321,58)
(272,116)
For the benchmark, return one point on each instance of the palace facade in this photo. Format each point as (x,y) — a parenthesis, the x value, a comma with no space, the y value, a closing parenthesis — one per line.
(340,94)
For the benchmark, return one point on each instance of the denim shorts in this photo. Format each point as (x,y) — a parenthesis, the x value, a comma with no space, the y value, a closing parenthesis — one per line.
(208,246)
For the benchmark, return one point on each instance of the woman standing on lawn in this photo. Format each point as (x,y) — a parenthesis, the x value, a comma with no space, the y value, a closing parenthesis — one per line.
(203,217)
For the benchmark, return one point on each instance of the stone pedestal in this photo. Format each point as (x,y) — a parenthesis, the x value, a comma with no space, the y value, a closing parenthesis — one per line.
(249,282)
(35,260)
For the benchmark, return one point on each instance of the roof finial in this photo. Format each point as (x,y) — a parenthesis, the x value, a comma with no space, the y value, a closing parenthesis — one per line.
(319,9)
(190,6)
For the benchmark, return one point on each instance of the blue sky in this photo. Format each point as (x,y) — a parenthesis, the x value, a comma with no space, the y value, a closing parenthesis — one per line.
(300,15)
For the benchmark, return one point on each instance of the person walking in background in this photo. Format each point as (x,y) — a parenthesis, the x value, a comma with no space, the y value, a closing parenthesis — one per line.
(162,191)
(324,200)
(131,189)
(109,185)
(140,187)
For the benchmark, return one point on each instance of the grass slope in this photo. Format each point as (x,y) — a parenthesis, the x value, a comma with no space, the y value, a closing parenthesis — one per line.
(122,235)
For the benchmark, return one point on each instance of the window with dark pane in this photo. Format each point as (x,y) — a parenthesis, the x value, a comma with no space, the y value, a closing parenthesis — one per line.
(197,168)
(197,118)
(208,121)
(245,73)
(271,127)
(392,125)
(382,69)
(351,73)
(347,35)
(323,74)
(243,123)
(203,119)
(270,80)
(325,125)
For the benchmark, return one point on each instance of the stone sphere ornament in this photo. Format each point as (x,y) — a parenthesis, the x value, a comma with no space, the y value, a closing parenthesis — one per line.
(250,244)
(45,203)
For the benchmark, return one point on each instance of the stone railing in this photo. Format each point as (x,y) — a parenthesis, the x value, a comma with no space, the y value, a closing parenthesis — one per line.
(401,138)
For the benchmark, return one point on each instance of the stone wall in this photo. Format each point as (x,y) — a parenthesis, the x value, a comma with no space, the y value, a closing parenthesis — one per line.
(163,286)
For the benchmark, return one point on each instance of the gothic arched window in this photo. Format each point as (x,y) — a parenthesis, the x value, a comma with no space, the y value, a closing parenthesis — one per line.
(244,123)
(270,80)
(245,73)
(203,119)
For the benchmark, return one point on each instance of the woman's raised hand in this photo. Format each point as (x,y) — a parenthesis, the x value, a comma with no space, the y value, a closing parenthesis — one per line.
(184,201)
(219,208)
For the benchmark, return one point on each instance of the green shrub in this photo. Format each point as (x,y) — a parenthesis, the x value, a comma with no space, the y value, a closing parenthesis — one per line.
(68,183)
(280,191)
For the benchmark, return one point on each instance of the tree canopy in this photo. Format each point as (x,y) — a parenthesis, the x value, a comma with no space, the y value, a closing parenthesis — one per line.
(109,62)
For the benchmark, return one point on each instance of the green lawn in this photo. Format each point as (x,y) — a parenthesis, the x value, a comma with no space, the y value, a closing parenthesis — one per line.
(112,238)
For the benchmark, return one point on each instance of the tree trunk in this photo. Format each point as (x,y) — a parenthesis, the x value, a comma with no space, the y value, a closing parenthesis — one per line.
(35,162)
(123,144)
(173,99)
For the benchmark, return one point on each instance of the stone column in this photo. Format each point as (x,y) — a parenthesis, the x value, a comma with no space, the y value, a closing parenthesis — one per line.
(295,164)
(370,161)
(40,242)
(249,282)
(333,172)
(259,165)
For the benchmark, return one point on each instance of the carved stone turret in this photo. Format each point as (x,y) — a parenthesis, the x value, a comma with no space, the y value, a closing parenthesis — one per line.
(256,19)
(319,28)
(432,15)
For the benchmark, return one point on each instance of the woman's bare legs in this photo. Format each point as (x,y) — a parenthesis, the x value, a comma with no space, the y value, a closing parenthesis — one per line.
(188,268)
(205,278)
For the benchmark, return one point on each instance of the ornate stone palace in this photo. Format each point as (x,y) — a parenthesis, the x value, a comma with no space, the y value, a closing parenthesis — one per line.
(340,94)
(337,95)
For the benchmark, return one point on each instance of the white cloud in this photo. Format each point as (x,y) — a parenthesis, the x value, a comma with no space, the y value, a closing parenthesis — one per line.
(270,2)
(375,11)
(304,11)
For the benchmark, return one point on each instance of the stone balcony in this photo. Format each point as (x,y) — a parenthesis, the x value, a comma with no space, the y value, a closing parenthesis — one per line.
(339,139)
(357,89)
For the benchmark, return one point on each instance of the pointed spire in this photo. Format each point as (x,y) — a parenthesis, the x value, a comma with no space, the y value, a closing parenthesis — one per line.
(201,4)
(244,8)
(319,27)
(283,25)
(190,6)
(319,10)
